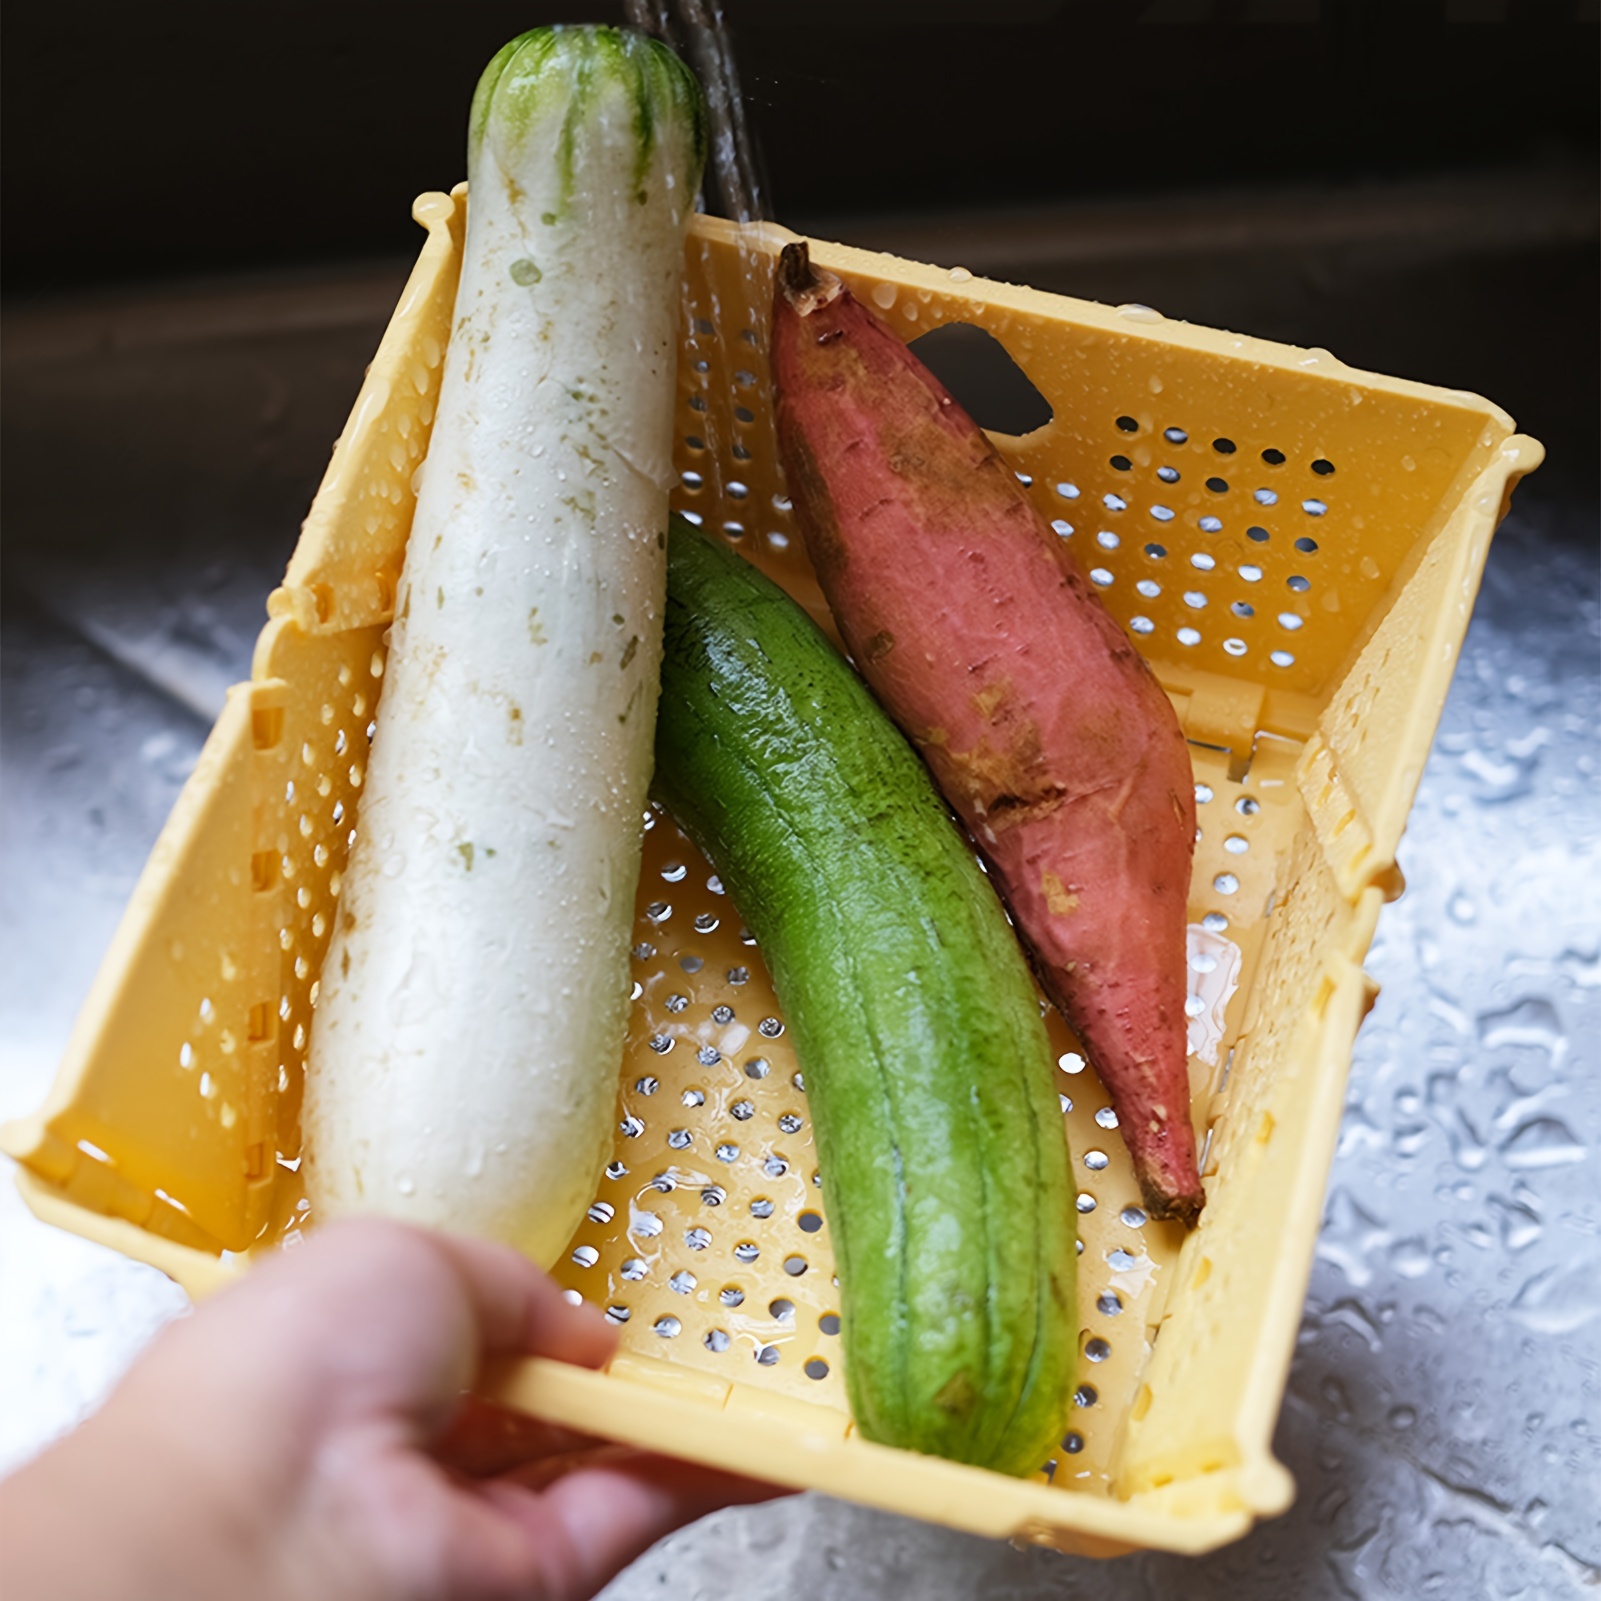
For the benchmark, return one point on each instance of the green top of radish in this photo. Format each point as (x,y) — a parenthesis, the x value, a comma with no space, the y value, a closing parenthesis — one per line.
(554,84)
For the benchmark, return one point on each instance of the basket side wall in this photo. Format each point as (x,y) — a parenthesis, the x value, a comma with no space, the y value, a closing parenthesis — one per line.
(1229,1325)
(1362,768)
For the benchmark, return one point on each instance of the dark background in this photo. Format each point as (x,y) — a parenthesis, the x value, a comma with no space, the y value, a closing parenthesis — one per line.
(179,141)
(301,130)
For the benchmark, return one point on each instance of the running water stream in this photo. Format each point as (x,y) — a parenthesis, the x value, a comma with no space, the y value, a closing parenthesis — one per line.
(697,30)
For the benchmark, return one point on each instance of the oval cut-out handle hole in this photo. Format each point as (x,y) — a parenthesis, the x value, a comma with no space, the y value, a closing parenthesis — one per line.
(982,377)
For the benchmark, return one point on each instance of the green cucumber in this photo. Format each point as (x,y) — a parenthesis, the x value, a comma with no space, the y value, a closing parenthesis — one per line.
(940,1139)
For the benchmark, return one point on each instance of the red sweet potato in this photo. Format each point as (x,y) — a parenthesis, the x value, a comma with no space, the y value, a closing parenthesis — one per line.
(1041,723)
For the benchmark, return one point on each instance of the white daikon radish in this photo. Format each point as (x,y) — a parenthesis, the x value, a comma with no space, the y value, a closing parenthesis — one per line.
(468,1035)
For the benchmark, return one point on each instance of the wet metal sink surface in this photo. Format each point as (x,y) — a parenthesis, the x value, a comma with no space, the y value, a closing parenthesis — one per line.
(1442,1419)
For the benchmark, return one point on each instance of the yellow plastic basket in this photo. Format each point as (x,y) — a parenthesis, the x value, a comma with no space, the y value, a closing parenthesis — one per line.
(1295,545)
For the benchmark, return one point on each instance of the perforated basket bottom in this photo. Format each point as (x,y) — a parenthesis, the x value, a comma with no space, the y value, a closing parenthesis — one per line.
(708,1241)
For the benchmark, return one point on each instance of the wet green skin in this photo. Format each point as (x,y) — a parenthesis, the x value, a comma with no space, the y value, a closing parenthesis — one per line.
(539,67)
(928,1073)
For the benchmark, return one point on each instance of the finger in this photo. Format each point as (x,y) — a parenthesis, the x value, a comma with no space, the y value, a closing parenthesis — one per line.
(369,1268)
(542,1472)
(431,1537)
(522,1310)
(370,1317)
(592,1523)
(494,1542)
(484,1439)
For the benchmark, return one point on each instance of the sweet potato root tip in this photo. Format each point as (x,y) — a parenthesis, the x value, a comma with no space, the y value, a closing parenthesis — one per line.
(804,286)
(1163,1208)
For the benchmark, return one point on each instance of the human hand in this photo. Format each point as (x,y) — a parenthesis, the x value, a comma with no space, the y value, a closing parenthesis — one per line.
(305,1435)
